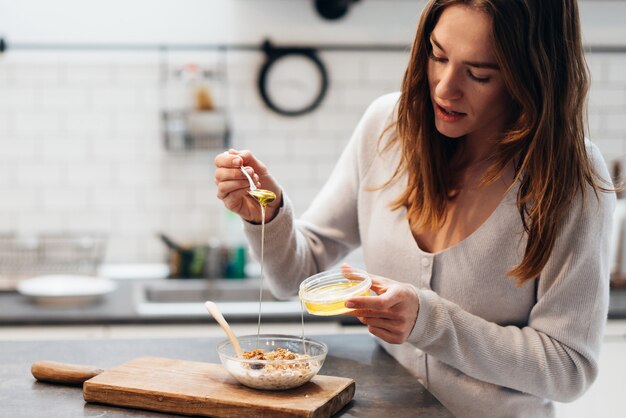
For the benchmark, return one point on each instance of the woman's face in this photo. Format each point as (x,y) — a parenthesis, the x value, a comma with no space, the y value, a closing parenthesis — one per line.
(466,87)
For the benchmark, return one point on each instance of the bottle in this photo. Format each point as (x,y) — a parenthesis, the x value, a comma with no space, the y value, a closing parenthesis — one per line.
(215,261)
(200,98)
(236,247)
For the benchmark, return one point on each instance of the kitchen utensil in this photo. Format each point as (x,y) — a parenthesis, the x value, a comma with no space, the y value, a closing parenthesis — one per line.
(217,315)
(252,185)
(65,289)
(261,195)
(196,388)
(185,261)
(279,374)
(170,243)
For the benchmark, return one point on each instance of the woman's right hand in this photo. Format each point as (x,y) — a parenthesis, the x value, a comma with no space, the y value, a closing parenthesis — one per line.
(232,185)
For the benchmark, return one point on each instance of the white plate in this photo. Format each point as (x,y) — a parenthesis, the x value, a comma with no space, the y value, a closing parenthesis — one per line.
(65,289)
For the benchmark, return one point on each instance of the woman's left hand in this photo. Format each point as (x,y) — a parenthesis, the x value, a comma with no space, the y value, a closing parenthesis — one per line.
(392,314)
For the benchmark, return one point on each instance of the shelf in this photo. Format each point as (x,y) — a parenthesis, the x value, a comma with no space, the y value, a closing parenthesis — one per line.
(188,130)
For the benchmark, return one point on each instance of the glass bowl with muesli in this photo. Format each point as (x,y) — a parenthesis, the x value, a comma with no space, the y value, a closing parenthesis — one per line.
(273,362)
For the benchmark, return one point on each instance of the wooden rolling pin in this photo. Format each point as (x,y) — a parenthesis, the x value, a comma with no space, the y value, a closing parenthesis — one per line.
(63,373)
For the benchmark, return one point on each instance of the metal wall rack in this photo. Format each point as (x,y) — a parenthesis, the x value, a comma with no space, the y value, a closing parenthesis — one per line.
(68,46)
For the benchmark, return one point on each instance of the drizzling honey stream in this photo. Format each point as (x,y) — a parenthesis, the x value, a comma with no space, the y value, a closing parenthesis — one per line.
(263,197)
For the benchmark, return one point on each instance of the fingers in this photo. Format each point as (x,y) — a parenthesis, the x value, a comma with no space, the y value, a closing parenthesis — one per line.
(388,298)
(379,284)
(238,203)
(393,329)
(378,289)
(234,158)
(377,323)
(371,303)
(228,188)
(228,168)
(351,273)
(250,160)
(227,174)
(234,201)
(228,159)
(386,335)
(387,315)
(390,315)
(232,180)
(232,184)
(345,269)
(237,158)
(381,329)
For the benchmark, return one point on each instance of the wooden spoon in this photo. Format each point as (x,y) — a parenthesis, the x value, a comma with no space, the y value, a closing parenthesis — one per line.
(215,312)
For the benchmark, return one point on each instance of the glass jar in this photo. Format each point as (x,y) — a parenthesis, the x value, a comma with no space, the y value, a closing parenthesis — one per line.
(325,293)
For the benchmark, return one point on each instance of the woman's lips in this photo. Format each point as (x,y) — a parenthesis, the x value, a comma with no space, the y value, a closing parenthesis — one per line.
(448,115)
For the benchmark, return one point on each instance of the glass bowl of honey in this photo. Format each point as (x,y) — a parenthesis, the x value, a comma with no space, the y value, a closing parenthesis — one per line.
(325,293)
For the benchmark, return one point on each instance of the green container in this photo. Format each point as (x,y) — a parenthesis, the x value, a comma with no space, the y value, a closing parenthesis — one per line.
(236,264)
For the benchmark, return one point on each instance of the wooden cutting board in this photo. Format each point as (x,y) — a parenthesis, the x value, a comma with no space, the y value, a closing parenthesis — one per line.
(205,389)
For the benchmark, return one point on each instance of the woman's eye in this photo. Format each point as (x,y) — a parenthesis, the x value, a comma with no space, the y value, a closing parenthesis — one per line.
(436,58)
(476,78)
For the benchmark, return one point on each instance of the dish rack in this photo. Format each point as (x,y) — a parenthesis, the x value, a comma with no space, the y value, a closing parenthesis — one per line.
(24,256)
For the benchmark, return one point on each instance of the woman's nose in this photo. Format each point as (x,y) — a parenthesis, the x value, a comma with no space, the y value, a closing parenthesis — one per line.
(448,86)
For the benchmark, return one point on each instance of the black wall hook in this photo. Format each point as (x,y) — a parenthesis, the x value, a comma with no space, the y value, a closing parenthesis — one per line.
(333,9)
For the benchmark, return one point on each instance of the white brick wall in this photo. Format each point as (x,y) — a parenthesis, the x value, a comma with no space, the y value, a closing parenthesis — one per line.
(607,104)
(80,145)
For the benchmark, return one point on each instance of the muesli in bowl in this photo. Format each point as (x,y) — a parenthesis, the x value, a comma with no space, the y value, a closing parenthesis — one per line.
(273,362)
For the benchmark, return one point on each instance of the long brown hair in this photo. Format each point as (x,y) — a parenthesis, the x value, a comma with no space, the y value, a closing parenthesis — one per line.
(539,50)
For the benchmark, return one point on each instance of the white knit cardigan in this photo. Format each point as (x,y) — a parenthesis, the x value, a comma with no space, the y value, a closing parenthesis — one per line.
(481,345)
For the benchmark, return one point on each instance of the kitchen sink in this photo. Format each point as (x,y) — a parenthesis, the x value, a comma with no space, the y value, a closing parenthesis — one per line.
(200,294)
(237,299)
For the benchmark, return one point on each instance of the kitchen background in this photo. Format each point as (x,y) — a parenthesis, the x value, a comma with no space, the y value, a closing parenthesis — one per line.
(81,138)
(84,85)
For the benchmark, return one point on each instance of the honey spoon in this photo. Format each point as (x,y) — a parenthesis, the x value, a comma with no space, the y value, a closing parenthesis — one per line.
(252,185)
(261,195)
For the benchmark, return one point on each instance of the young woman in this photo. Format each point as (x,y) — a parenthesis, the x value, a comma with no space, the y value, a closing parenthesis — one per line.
(481,209)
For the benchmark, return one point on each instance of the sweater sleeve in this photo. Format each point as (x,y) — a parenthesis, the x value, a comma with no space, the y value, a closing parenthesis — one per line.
(329,229)
(556,354)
